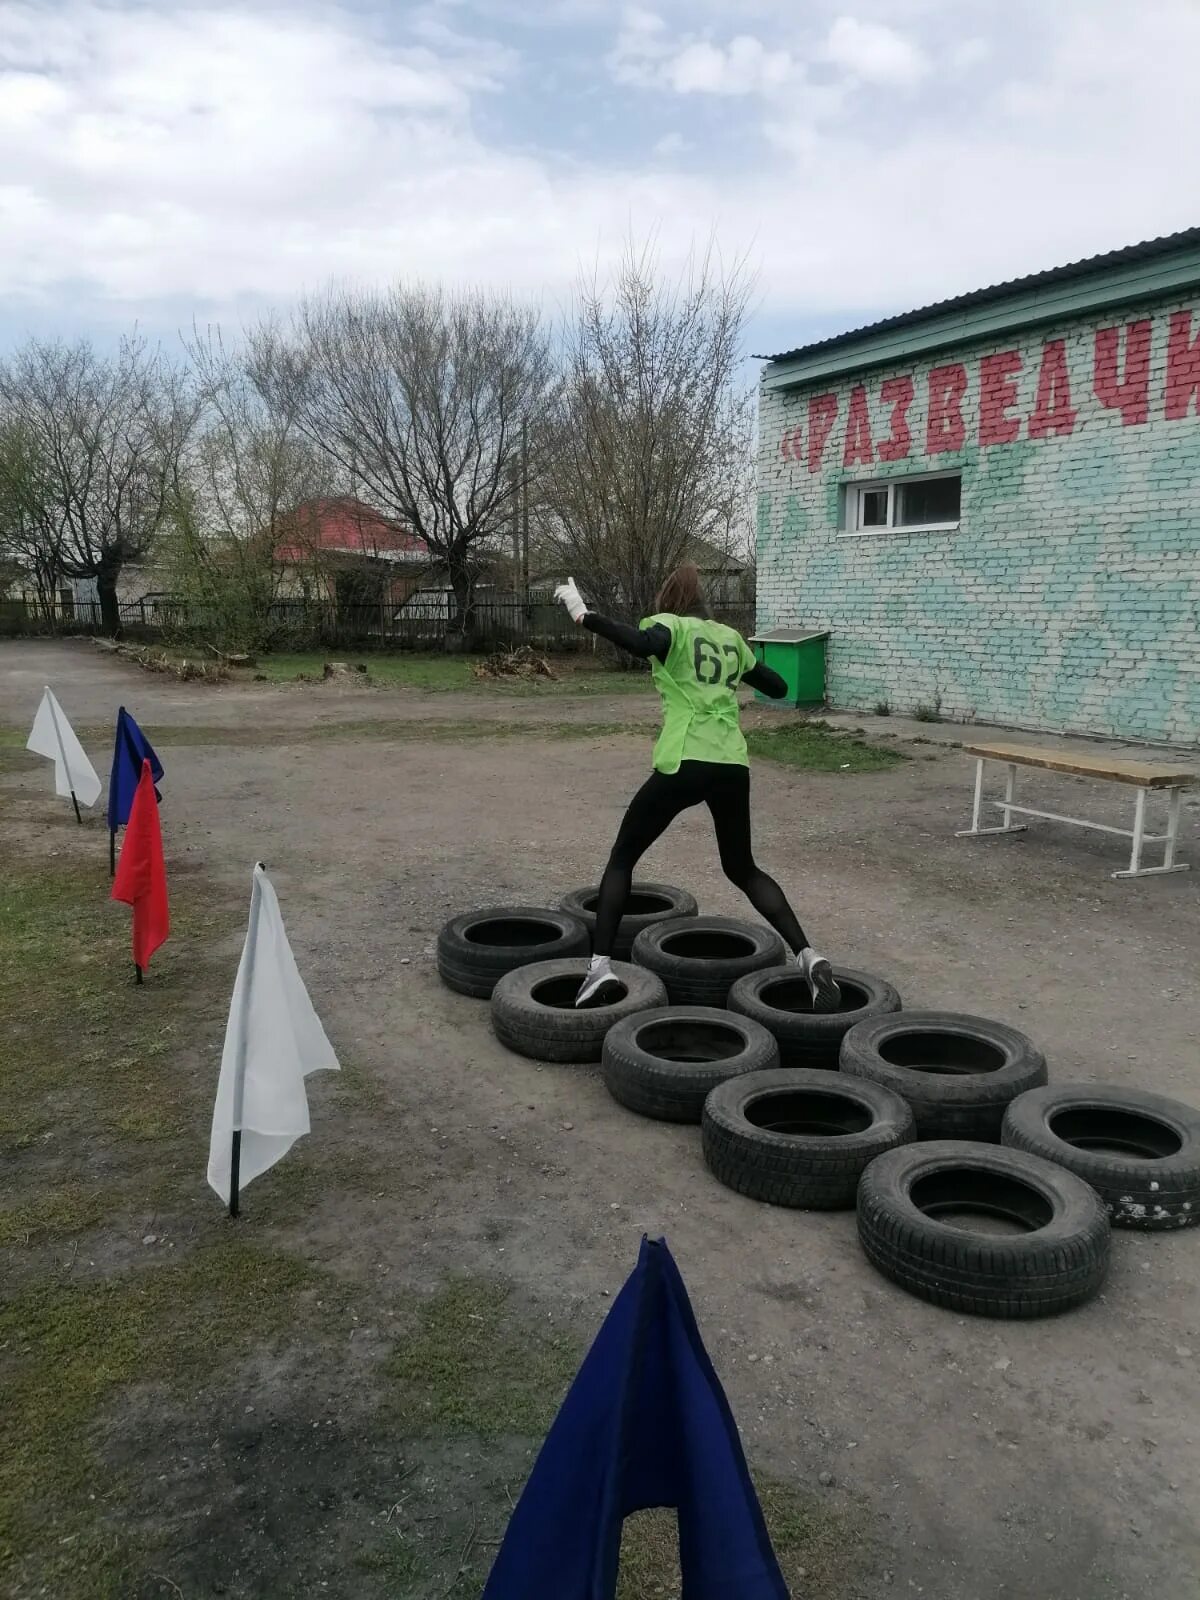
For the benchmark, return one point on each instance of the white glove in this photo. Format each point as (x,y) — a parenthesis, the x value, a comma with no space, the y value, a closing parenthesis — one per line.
(570,597)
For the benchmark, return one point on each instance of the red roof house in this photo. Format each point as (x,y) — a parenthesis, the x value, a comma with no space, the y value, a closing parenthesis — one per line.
(345,526)
(342,550)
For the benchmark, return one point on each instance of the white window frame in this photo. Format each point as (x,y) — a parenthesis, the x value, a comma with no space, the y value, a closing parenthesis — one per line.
(854,499)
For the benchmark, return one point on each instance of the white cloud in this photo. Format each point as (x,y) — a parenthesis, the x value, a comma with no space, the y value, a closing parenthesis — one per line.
(211,151)
(647,55)
(873,52)
(744,66)
(166,154)
(642,45)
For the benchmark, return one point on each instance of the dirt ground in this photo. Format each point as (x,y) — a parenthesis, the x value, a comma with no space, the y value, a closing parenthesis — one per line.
(957,1458)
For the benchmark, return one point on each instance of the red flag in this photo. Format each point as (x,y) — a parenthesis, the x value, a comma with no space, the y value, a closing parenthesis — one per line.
(141,879)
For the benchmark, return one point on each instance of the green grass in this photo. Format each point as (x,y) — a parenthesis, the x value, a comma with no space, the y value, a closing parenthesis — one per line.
(106,1082)
(395,1560)
(440,673)
(817,1541)
(436,673)
(407,731)
(56,1213)
(811,747)
(98,1078)
(91,1045)
(474,1365)
(804,746)
(67,1347)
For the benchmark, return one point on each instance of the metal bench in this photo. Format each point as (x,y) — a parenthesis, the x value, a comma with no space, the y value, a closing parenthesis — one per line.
(1143,776)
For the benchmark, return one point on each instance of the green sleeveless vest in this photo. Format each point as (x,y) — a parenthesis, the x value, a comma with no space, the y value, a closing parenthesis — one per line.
(697,682)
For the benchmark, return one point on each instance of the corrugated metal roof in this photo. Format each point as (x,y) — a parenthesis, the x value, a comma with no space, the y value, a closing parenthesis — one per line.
(1146,251)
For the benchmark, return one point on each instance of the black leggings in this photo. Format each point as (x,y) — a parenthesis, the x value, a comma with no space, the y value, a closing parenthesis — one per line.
(725,790)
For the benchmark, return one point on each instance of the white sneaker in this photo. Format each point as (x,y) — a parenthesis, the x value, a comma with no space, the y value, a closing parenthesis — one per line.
(826,996)
(599,978)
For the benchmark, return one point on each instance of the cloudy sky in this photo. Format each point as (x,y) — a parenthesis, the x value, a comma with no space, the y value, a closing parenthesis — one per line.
(161,160)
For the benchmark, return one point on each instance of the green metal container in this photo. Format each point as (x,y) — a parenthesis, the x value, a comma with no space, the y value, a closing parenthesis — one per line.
(798,656)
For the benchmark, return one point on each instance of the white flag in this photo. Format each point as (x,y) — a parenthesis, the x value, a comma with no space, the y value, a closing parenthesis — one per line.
(54,737)
(273,1040)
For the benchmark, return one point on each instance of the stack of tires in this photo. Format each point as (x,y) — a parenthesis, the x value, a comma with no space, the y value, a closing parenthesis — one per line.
(738,1008)
(529,962)
(977,1185)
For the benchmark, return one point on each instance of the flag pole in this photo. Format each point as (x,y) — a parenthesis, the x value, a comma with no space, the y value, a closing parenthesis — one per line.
(235,1163)
(112,852)
(239,1068)
(138,972)
(63,753)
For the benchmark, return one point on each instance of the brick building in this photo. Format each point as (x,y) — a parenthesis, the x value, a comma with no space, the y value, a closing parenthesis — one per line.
(993,503)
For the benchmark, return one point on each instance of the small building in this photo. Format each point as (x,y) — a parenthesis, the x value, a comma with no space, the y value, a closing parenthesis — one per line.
(727,575)
(993,503)
(341,549)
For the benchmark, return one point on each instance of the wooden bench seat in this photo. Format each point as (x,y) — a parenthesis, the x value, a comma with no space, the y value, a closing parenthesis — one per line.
(1145,777)
(1146,774)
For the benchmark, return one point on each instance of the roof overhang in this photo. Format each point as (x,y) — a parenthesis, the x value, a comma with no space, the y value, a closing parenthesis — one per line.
(1064,301)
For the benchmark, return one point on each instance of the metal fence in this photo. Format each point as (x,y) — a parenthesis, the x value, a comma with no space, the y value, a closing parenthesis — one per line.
(301,624)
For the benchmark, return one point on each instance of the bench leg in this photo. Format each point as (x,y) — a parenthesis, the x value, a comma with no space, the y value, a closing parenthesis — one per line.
(1010,794)
(975,830)
(1139,829)
(1174,811)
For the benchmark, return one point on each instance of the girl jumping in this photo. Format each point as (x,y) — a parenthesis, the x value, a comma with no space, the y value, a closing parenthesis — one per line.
(700,757)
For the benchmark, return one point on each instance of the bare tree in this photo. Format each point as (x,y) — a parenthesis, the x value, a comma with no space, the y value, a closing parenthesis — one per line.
(418,397)
(108,434)
(236,526)
(31,534)
(646,456)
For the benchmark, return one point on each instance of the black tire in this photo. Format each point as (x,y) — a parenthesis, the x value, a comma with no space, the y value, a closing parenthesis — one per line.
(1139,1151)
(957,1073)
(1059,1263)
(781,1000)
(841,1125)
(701,958)
(665,1063)
(476,950)
(648,903)
(533,1009)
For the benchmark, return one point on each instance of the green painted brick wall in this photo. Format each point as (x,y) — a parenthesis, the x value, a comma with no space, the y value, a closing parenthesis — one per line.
(1068,597)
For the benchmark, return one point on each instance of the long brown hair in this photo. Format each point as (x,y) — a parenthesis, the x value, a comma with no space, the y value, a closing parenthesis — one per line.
(681,594)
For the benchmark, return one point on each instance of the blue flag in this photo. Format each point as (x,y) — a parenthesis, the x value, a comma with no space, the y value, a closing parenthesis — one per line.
(131,750)
(645,1423)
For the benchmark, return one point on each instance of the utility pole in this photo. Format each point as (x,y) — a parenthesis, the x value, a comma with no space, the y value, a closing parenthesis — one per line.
(514,482)
(525,510)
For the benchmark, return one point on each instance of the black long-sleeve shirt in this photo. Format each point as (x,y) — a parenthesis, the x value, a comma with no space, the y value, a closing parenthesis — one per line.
(655,642)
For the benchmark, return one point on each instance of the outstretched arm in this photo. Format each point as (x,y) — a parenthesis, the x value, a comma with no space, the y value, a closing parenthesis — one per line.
(644,642)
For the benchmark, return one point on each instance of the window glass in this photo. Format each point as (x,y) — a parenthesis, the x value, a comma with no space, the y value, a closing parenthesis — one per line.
(927,500)
(872,508)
